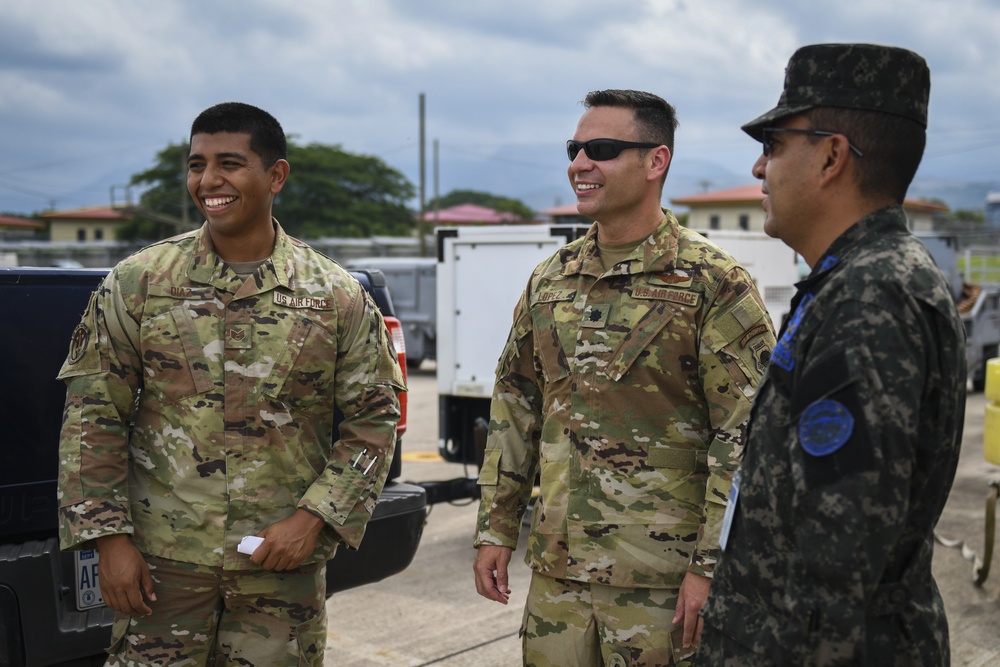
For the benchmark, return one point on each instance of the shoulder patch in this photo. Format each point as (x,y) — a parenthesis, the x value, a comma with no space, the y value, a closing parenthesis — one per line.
(824,427)
(784,351)
(752,333)
(78,343)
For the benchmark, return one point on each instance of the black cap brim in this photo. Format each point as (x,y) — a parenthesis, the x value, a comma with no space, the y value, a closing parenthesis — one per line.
(754,128)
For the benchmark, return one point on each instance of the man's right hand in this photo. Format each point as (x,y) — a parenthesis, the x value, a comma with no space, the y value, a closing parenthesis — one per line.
(491,572)
(124,576)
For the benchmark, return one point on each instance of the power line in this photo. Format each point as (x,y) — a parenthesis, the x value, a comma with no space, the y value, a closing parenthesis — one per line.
(25,191)
(75,160)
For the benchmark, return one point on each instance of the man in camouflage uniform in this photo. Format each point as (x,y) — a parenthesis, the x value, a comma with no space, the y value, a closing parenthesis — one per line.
(229,347)
(856,428)
(626,382)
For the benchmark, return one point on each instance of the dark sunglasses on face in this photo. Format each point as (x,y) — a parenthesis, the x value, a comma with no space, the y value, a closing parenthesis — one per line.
(602,149)
(767,138)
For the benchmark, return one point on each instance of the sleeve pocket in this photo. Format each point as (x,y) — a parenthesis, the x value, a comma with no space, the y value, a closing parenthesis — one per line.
(489,474)
(70,488)
(347,495)
(826,377)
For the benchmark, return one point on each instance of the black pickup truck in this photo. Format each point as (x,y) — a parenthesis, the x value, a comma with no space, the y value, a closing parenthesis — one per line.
(50,609)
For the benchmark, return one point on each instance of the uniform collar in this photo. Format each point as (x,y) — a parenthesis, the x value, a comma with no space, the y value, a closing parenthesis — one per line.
(655,255)
(890,220)
(206,266)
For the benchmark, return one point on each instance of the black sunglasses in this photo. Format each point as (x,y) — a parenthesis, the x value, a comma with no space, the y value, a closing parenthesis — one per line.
(768,141)
(602,149)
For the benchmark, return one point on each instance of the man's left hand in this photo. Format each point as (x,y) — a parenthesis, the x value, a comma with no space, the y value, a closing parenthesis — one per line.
(694,592)
(289,542)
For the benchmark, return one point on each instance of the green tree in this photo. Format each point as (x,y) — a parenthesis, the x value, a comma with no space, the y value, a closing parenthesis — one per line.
(165,197)
(329,192)
(496,202)
(961,220)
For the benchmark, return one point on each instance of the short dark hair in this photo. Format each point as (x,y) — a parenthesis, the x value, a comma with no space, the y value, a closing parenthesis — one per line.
(892,145)
(655,118)
(267,139)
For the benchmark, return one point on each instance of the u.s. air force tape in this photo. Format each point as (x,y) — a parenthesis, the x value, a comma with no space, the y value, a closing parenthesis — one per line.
(824,427)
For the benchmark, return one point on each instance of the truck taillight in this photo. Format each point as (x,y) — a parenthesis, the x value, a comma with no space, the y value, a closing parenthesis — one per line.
(396,333)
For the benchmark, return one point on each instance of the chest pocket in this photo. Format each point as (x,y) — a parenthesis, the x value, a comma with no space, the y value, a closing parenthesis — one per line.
(174,363)
(553,318)
(304,372)
(638,328)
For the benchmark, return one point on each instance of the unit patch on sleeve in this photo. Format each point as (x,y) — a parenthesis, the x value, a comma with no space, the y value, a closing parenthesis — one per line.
(825,426)
(784,351)
(752,333)
(78,343)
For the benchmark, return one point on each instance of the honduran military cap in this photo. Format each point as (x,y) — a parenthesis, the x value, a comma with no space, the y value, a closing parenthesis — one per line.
(868,77)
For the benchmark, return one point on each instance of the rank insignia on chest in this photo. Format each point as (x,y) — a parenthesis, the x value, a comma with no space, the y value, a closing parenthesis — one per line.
(239,336)
(595,316)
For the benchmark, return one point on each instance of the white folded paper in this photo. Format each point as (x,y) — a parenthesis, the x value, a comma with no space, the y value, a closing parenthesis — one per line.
(249,544)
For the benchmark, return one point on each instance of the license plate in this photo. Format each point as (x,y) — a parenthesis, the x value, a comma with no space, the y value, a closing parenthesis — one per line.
(88,590)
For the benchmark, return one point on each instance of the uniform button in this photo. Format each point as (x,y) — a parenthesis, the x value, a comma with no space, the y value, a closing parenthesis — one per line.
(616,661)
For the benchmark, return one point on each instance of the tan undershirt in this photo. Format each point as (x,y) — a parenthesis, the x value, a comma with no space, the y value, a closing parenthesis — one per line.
(245,269)
(612,253)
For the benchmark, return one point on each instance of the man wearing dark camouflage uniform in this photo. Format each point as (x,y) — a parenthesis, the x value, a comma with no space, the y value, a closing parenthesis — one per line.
(626,381)
(230,347)
(855,432)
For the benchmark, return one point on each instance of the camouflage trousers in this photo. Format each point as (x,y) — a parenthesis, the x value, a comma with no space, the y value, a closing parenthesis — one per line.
(590,625)
(206,616)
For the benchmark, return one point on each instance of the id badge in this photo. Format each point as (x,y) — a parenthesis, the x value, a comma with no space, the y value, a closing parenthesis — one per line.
(727,518)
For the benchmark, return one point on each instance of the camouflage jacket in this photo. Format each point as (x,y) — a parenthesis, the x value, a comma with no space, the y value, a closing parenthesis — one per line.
(853,444)
(629,389)
(234,425)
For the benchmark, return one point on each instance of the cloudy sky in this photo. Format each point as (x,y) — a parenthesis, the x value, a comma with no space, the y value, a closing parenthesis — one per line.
(90,91)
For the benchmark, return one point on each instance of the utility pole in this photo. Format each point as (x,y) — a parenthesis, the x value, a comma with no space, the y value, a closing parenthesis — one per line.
(185,222)
(437,193)
(421,223)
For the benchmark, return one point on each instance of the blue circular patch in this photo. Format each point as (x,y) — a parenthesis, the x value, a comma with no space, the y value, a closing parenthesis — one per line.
(824,427)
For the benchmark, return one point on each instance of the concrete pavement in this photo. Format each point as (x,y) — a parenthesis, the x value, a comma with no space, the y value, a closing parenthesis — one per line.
(431,615)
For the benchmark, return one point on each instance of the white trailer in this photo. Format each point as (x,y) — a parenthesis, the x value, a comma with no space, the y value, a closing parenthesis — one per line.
(774,267)
(480,276)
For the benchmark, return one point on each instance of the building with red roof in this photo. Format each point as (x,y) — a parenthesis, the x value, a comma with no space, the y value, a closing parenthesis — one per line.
(740,209)
(565,214)
(96,223)
(11,226)
(471,214)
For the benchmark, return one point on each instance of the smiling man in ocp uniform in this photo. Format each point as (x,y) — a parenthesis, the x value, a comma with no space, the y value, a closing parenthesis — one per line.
(235,344)
(626,383)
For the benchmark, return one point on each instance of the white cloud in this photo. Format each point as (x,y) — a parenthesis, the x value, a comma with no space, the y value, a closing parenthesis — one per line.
(93,90)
